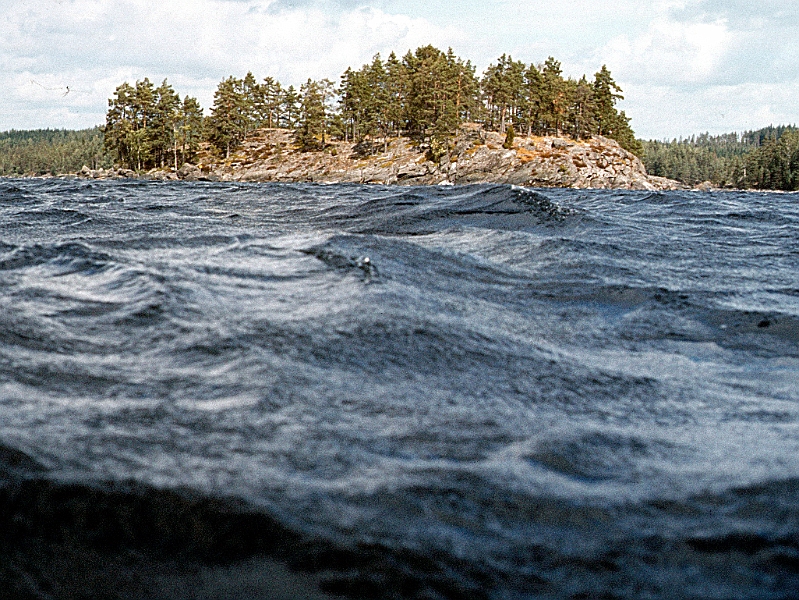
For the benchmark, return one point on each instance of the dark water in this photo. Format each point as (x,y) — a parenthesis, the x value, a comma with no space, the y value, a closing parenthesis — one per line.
(398,392)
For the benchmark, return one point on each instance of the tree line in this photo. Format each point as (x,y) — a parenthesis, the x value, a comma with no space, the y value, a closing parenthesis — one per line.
(425,95)
(151,127)
(51,151)
(767,158)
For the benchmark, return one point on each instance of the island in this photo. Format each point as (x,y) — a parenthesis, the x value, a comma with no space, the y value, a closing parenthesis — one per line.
(424,119)
(476,156)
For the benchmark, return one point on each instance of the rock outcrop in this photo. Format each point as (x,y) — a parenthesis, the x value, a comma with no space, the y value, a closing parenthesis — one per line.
(474,156)
(87,173)
(187,172)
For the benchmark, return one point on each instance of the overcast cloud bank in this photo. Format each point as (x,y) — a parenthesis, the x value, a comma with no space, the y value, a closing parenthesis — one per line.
(685,66)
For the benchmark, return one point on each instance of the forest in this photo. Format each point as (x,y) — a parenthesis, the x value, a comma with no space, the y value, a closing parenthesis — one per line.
(51,151)
(425,95)
(764,159)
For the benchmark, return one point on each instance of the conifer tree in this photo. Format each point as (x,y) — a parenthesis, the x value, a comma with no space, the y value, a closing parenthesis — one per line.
(554,101)
(503,86)
(289,108)
(582,111)
(397,88)
(227,124)
(189,129)
(606,94)
(162,129)
(311,131)
(251,99)
(120,125)
(533,87)
(435,94)
(378,119)
(141,125)
(270,99)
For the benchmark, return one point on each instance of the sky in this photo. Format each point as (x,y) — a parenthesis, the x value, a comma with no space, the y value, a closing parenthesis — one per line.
(686,66)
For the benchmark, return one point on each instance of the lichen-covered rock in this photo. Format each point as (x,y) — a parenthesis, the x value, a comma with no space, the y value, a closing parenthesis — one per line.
(474,156)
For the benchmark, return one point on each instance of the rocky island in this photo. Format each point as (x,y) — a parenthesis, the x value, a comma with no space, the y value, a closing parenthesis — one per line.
(473,156)
(427,118)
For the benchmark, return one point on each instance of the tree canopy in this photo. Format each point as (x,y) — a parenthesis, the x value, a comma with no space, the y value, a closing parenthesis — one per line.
(51,151)
(764,159)
(425,95)
(150,127)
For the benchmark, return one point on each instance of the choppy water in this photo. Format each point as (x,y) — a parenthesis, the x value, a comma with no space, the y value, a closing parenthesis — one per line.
(406,392)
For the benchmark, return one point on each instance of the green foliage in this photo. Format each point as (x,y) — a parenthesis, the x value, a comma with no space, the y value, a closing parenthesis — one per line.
(687,162)
(145,125)
(763,159)
(51,151)
(510,134)
(189,129)
(313,124)
(553,98)
(538,99)
(426,95)
(504,92)
(439,86)
(230,116)
(243,105)
(775,164)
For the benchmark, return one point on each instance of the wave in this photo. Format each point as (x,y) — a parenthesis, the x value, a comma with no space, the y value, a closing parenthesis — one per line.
(362,391)
(431,210)
(128,540)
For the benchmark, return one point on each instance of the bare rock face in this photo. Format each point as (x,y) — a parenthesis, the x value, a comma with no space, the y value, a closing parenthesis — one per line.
(189,172)
(474,156)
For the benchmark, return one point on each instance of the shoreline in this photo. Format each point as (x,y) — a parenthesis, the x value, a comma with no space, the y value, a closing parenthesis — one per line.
(474,156)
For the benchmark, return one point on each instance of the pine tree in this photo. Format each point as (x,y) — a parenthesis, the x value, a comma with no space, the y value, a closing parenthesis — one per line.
(378,119)
(227,124)
(606,94)
(289,108)
(503,86)
(554,101)
(436,95)
(189,129)
(250,101)
(397,88)
(163,145)
(271,97)
(533,87)
(119,125)
(582,112)
(311,130)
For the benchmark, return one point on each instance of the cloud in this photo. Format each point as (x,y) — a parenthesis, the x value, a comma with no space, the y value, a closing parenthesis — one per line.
(708,65)
(681,63)
(740,14)
(92,46)
(709,42)
(716,109)
(671,53)
(291,5)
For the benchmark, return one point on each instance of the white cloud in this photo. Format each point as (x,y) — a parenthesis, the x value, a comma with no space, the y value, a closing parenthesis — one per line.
(666,112)
(708,65)
(682,63)
(671,53)
(92,46)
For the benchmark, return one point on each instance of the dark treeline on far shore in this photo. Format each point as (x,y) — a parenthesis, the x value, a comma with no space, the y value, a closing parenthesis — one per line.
(51,151)
(764,159)
(425,95)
